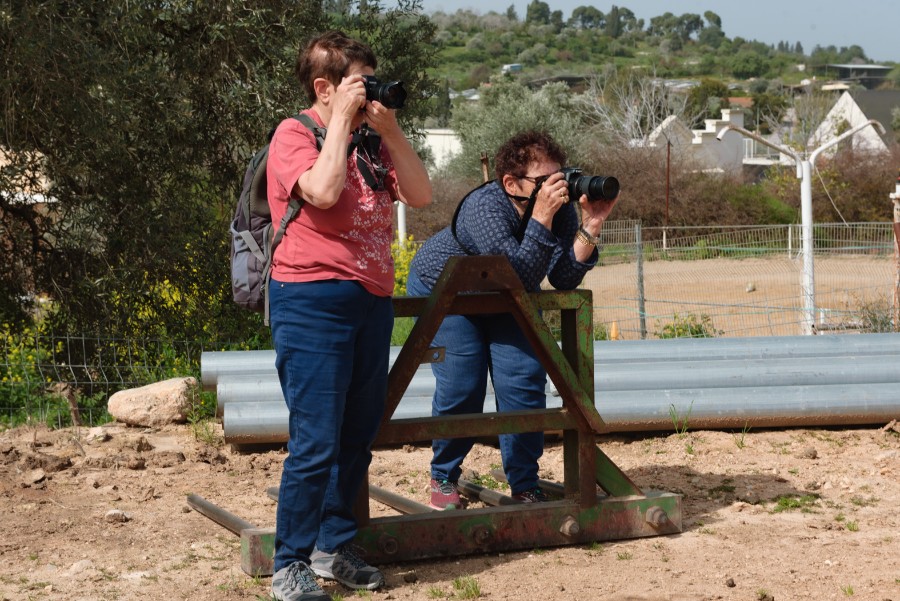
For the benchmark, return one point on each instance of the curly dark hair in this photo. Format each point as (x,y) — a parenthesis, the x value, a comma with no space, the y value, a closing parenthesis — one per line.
(329,55)
(518,152)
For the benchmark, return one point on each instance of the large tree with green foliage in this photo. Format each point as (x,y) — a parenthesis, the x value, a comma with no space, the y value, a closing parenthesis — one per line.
(508,108)
(706,100)
(136,120)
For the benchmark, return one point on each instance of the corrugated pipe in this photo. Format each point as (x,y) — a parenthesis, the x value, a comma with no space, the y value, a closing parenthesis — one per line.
(712,383)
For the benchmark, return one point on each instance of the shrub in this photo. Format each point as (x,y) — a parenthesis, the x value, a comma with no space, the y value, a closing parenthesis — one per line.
(403,255)
(688,326)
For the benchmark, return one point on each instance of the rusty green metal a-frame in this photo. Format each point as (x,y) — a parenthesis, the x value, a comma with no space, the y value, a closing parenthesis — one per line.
(584,514)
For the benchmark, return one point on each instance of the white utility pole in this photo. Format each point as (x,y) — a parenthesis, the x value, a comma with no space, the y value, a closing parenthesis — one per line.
(804,173)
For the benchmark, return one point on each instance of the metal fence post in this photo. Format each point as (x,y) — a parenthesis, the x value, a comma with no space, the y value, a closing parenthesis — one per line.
(896,198)
(640,279)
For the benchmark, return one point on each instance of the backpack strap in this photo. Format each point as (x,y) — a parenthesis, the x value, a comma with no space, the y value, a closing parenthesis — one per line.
(320,132)
(365,141)
(293,209)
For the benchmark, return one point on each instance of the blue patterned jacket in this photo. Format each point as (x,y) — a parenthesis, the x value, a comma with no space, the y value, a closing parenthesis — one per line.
(487,225)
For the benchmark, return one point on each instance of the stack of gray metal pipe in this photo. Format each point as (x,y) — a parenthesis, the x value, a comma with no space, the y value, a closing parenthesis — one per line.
(641,385)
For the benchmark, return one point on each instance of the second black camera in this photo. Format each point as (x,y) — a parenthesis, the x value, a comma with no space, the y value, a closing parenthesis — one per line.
(597,187)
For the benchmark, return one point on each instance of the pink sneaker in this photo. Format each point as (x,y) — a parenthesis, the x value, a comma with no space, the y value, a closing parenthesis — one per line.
(445,495)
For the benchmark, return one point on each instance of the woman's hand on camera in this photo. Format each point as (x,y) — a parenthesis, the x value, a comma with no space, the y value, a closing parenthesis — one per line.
(383,120)
(554,193)
(350,98)
(593,214)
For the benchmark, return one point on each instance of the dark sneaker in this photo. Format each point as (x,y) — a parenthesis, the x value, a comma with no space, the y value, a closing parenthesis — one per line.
(297,583)
(532,495)
(445,495)
(348,568)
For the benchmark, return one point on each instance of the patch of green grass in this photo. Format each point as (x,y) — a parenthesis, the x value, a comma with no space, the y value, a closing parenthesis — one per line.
(488,481)
(204,430)
(595,548)
(804,503)
(861,502)
(847,590)
(853,526)
(402,327)
(435,593)
(680,422)
(466,587)
(623,556)
(739,438)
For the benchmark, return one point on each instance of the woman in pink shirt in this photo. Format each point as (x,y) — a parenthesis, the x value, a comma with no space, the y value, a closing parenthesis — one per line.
(330,306)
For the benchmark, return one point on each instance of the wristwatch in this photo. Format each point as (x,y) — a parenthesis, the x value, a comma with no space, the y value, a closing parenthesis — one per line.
(587,238)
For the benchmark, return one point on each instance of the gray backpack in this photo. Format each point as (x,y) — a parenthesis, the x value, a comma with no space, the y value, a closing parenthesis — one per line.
(252,240)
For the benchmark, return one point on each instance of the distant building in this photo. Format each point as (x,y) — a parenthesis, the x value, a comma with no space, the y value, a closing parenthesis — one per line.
(444,143)
(854,108)
(701,145)
(868,76)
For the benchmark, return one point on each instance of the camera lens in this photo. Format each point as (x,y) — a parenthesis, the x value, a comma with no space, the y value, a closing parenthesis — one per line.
(392,95)
(597,187)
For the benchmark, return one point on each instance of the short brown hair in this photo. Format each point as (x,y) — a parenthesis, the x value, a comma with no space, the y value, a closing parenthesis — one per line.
(518,152)
(329,55)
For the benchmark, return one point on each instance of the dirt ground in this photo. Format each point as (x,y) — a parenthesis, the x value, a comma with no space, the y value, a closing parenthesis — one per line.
(101,514)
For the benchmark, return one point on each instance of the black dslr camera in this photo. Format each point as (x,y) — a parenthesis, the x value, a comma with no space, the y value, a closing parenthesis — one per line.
(597,187)
(390,94)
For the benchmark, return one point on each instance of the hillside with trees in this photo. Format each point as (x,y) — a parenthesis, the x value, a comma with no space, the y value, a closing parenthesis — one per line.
(548,43)
(601,82)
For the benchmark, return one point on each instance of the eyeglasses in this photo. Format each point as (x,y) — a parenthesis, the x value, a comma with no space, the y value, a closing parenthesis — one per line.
(536,180)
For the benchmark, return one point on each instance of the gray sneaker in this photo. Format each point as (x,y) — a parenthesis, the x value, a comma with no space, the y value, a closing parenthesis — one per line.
(345,566)
(297,583)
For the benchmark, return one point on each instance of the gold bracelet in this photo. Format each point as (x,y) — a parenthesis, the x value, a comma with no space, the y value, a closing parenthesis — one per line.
(587,239)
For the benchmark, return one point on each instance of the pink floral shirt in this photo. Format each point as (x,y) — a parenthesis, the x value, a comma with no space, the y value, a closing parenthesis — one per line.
(349,241)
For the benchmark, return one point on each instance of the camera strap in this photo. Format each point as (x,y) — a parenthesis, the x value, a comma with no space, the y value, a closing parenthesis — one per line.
(365,141)
(368,157)
(526,217)
(456,216)
(523,223)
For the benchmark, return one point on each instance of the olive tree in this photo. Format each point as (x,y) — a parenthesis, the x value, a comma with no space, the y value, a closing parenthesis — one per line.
(508,108)
(131,123)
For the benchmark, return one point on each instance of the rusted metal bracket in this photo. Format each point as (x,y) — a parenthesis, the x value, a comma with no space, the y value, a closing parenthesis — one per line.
(484,285)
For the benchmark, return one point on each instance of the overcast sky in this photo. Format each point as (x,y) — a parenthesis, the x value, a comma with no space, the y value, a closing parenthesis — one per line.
(870,24)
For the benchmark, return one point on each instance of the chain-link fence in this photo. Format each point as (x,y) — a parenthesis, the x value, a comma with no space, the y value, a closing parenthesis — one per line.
(651,283)
(63,379)
(741,281)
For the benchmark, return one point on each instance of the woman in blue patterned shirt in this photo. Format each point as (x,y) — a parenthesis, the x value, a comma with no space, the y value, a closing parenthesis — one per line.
(551,244)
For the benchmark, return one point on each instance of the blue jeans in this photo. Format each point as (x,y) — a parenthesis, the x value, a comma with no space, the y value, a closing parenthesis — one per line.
(332,341)
(475,346)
